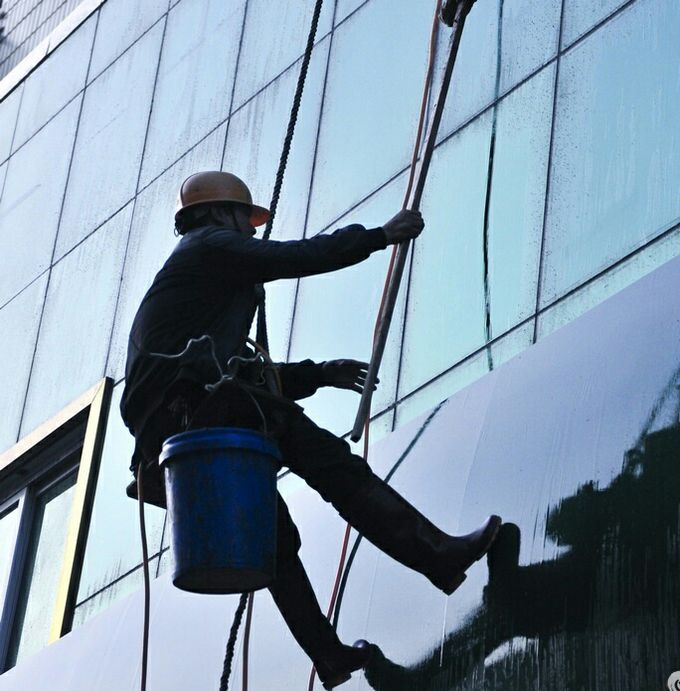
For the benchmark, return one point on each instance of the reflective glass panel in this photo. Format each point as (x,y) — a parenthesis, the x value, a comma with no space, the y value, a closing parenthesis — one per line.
(581,15)
(195,79)
(19,326)
(616,159)
(571,443)
(113,546)
(110,139)
(378,60)
(529,37)
(473,84)
(254,141)
(152,239)
(76,325)
(33,616)
(9,523)
(121,22)
(446,309)
(463,374)
(84,611)
(55,82)
(29,208)
(617,278)
(517,200)
(335,317)
(9,108)
(275,35)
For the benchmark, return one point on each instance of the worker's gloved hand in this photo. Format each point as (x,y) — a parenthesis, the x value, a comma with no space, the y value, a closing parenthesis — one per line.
(406,225)
(344,374)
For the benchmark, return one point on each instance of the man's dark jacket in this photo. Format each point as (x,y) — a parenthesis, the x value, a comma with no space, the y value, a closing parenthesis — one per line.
(209,285)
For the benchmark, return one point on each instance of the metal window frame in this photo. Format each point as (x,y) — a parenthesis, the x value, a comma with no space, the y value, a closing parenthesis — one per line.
(93,406)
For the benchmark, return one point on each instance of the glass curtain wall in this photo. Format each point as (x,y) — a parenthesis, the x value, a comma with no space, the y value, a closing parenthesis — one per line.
(554,184)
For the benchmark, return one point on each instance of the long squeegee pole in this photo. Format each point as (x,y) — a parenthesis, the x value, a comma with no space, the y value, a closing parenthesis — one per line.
(385,319)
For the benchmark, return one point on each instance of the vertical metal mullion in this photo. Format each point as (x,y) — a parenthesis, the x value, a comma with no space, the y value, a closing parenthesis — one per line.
(26,509)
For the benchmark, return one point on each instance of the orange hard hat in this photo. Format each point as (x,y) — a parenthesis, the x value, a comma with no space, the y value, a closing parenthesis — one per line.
(218,186)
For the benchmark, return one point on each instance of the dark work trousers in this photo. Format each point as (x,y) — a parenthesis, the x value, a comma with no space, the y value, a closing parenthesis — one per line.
(342,478)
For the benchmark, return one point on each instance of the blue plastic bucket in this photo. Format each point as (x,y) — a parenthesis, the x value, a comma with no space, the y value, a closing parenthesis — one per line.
(221,492)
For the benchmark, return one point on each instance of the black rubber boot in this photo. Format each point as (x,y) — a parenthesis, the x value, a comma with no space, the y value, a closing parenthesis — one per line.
(337,668)
(294,596)
(397,528)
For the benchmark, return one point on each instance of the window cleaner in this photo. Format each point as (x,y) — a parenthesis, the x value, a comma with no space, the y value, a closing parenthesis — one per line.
(210,285)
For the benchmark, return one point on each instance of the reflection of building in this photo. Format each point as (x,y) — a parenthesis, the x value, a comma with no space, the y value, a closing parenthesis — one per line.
(617,579)
(555,185)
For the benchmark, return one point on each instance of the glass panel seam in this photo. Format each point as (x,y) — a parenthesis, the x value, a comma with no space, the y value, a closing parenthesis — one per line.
(93,78)
(453,133)
(614,265)
(56,235)
(551,147)
(313,170)
(548,307)
(136,195)
(489,185)
(467,358)
(11,143)
(233,81)
(42,127)
(118,579)
(596,27)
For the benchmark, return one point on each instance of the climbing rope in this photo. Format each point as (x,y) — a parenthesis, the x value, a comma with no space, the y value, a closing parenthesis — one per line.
(231,643)
(262,337)
(427,88)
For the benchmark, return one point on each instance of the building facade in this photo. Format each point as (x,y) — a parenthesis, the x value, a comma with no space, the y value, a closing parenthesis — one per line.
(531,370)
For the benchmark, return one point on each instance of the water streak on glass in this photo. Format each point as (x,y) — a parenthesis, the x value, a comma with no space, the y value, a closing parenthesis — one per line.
(275,35)
(616,158)
(40,579)
(370,112)
(9,108)
(113,547)
(152,239)
(446,310)
(195,79)
(335,318)
(108,149)
(19,323)
(529,37)
(76,323)
(55,82)
(581,15)
(473,85)
(121,22)
(516,200)
(32,204)
(254,141)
